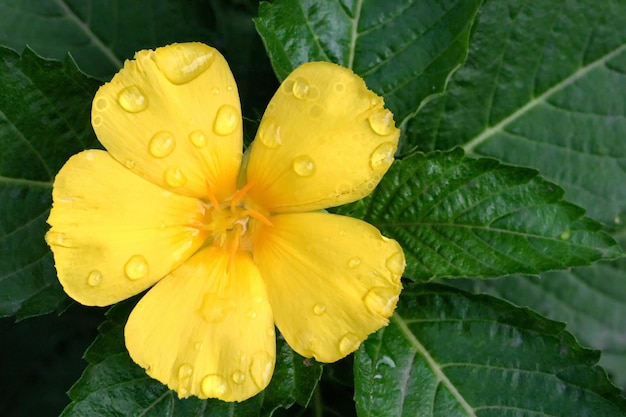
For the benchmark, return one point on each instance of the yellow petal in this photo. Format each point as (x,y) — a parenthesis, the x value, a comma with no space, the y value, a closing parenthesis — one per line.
(173,116)
(113,233)
(206,329)
(324,140)
(332,280)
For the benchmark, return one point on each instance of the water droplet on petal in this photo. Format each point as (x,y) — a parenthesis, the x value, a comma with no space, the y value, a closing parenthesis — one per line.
(340,87)
(354,262)
(215,91)
(382,157)
(226,120)
(261,368)
(381,300)
(251,314)
(174,177)
(316,111)
(381,122)
(238,377)
(319,309)
(90,156)
(198,139)
(300,88)
(130,164)
(395,263)
(97,120)
(101,104)
(181,64)
(304,166)
(136,267)
(349,343)
(132,99)
(269,133)
(94,278)
(214,386)
(162,144)
(184,371)
(198,346)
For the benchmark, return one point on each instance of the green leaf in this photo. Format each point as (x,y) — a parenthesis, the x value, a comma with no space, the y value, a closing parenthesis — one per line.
(592,301)
(405,50)
(464,217)
(100,34)
(449,353)
(544,86)
(113,385)
(44,118)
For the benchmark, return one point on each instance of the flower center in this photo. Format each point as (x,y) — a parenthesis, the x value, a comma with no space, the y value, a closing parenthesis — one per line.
(230,224)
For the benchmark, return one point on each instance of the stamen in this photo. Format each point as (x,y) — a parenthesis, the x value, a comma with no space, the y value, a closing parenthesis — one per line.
(239,195)
(211,197)
(257,215)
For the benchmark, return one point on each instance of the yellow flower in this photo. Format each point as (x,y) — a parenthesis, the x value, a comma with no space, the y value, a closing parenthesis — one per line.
(232,247)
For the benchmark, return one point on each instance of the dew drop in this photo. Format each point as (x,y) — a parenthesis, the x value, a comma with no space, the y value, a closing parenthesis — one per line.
(216,313)
(269,133)
(300,88)
(184,371)
(381,122)
(136,267)
(238,377)
(174,177)
(132,99)
(319,309)
(382,157)
(261,368)
(181,64)
(101,104)
(381,300)
(316,111)
(348,344)
(130,163)
(340,87)
(395,263)
(226,120)
(162,144)
(97,120)
(198,346)
(304,166)
(251,314)
(214,386)
(198,139)
(90,156)
(215,91)
(94,278)
(354,263)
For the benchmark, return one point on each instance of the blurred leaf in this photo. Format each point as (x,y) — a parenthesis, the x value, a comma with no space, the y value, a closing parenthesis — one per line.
(405,50)
(113,385)
(448,353)
(101,34)
(544,86)
(44,118)
(592,301)
(463,217)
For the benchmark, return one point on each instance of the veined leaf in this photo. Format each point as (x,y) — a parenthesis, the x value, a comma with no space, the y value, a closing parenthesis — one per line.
(113,385)
(463,217)
(100,34)
(44,118)
(405,50)
(447,353)
(591,300)
(544,86)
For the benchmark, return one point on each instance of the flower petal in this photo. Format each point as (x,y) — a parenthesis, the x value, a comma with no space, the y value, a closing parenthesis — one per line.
(324,140)
(113,233)
(173,116)
(332,280)
(207,328)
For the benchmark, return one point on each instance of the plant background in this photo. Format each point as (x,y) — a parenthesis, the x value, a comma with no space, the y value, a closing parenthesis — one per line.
(543,87)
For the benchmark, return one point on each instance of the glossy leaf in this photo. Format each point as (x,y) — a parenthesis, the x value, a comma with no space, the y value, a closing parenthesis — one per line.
(44,118)
(592,301)
(405,50)
(544,86)
(449,353)
(114,385)
(464,217)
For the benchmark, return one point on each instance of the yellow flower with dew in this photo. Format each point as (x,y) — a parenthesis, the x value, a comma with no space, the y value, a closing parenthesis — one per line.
(229,248)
